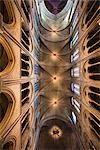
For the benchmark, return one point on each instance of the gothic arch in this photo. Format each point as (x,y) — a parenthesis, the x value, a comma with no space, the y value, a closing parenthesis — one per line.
(7,104)
(7,13)
(6,57)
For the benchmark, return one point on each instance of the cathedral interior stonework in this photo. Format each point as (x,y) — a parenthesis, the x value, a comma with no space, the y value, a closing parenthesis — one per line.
(49,75)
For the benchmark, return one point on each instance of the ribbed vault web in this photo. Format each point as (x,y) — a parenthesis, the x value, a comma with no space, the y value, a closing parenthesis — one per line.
(54,62)
(54,82)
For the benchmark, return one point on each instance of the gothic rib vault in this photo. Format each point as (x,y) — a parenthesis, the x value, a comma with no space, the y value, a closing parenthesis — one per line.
(54,94)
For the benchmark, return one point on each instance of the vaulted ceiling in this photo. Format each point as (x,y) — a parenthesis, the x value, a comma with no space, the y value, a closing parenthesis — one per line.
(56,134)
(54,21)
(54,60)
(54,71)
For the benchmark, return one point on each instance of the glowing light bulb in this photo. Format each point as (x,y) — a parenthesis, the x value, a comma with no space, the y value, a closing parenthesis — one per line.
(55,132)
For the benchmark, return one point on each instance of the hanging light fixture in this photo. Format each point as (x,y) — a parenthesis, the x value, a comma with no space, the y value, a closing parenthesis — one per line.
(55,132)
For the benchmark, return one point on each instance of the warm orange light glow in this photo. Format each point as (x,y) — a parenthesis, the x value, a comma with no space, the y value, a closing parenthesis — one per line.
(54,78)
(55,132)
(55,103)
(54,56)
